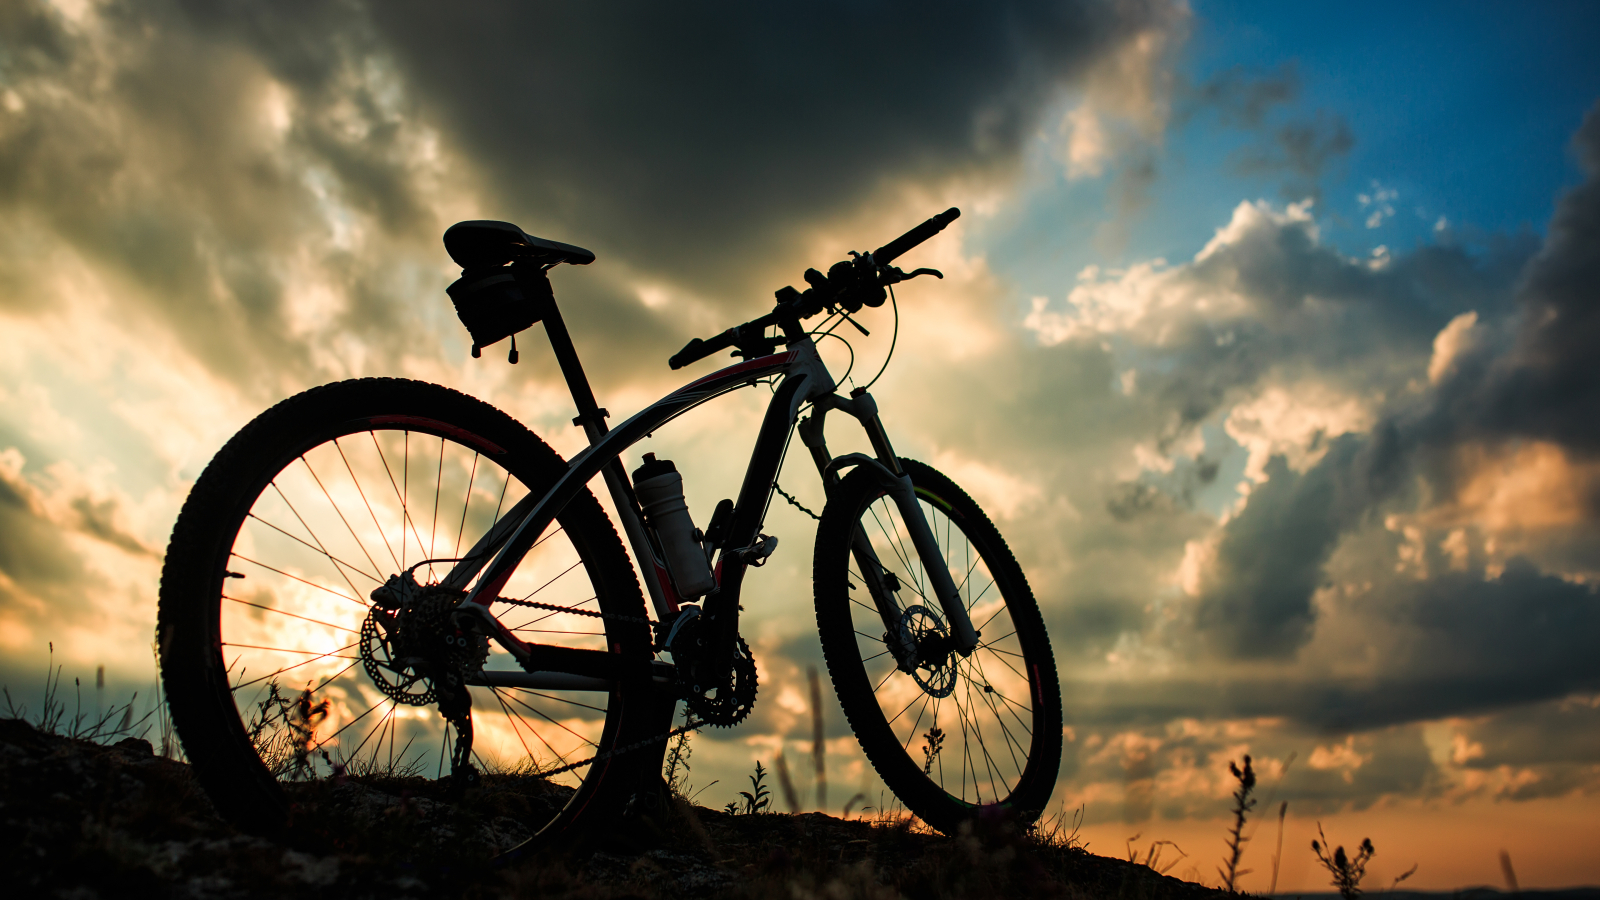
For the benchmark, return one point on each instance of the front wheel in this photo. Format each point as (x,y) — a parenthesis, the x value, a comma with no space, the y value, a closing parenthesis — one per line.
(948,734)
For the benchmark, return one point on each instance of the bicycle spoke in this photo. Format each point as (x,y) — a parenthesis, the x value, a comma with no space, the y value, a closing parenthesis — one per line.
(988,760)
(363,494)
(405,510)
(1011,742)
(541,715)
(301,580)
(333,654)
(338,564)
(512,718)
(288,650)
(438,486)
(552,580)
(342,728)
(892,539)
(472,478)
(290,614)
(912,733)
(920,696)
(376,729)
(340,513)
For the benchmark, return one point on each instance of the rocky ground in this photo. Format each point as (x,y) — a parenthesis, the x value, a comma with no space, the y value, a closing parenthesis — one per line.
(83,820)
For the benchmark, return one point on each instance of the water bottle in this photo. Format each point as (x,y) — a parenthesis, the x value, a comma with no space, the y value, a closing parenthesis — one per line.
(660,490)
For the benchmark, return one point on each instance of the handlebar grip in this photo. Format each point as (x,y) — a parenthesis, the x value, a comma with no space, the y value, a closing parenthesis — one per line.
(886,254)
(697,349)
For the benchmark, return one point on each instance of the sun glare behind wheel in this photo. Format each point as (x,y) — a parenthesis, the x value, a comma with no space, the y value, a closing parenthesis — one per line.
(303,642)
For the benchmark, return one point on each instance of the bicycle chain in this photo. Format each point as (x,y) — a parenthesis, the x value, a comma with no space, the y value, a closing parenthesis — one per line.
(618,751)
(593,614)
(793,502)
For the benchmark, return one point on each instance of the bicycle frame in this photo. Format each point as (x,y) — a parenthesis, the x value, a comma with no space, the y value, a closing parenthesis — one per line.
(803,378)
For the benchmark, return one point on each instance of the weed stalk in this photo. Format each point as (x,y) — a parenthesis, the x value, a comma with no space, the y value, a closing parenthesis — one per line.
(1243,803)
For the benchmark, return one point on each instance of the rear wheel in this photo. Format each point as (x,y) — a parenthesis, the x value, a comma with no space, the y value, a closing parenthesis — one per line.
(950,735)
(280,671)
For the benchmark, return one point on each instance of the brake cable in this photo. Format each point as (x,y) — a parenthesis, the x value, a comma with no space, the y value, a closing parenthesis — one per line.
(894,338)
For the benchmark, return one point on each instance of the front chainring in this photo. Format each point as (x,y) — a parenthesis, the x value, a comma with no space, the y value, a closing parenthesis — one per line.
(723,705)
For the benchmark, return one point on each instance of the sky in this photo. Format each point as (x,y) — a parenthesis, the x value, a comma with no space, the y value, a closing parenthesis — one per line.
(1264,338)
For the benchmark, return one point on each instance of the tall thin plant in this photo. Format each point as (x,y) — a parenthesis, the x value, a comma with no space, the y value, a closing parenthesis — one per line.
(818,738)
(1277,855)
(1243,803)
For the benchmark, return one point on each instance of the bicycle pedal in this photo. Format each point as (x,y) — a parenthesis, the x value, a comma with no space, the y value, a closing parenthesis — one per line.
(756,554)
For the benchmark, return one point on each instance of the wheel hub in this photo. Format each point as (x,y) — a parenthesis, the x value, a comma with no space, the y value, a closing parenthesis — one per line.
(931,665)
(409,641)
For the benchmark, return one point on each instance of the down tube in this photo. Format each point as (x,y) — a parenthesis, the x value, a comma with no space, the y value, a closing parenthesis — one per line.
(722,604)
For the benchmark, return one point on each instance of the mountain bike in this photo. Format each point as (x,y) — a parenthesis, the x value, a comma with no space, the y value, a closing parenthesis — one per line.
(383,578)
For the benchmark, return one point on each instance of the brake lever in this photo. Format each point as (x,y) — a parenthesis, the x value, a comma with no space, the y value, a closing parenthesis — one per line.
(892,275)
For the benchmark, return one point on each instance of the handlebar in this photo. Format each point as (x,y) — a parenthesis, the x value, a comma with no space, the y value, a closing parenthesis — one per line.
(889,252)
(848,286)
(698,349)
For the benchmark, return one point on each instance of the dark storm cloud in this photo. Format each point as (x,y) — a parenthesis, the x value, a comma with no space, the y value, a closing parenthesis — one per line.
(1256,600)
(1557,731)
(1301,148)
(143,148)
(1548,385)
(698,137)
(41,573)
(688,145)
(1539,382)
(1470,644)
(1452,645)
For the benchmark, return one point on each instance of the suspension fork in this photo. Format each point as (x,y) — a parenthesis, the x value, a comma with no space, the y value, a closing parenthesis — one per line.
(897,485)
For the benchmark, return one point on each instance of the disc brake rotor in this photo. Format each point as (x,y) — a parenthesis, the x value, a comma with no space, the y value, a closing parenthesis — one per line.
(923,627)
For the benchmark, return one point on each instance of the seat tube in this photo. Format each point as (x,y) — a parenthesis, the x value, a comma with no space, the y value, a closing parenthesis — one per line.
(592,419)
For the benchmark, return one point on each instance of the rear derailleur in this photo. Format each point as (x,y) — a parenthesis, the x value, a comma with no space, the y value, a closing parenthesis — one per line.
(417,650)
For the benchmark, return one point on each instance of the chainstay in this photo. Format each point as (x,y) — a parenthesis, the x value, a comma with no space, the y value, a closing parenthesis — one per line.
(618,751)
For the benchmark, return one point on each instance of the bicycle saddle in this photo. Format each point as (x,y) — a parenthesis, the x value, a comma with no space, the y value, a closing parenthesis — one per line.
(479,243)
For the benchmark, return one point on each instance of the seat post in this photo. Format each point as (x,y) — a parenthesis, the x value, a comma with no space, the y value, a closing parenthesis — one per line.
(591,417)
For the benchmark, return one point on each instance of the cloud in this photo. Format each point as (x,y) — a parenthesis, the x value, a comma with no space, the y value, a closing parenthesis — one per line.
(1380,202)
(1298,147)
(1406,544)
(1547,385)
(695,140)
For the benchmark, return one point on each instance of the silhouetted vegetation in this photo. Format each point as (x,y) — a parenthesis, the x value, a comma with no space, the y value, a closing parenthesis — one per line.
(1243,803)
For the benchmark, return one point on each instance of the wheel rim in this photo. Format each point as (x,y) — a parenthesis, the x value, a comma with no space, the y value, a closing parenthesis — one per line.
(332,524)
(966,723)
